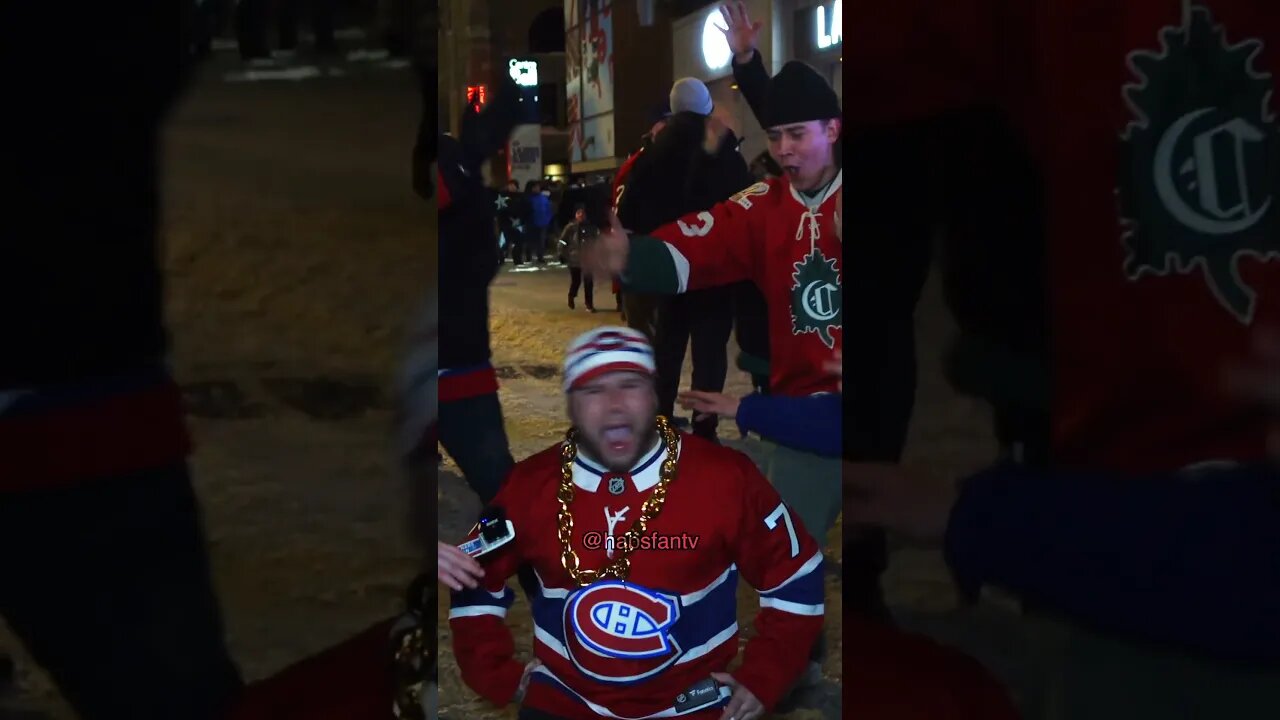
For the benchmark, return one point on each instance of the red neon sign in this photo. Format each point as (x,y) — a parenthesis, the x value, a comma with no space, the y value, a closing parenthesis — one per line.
(477,96)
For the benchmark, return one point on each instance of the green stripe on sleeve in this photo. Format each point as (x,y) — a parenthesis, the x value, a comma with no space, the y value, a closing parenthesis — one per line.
(650,267)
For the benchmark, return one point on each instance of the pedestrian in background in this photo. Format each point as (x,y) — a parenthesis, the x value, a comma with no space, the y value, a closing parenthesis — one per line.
(540,215)
(573,239)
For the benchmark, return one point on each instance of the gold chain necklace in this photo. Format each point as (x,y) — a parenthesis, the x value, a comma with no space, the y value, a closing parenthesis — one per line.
(620,568)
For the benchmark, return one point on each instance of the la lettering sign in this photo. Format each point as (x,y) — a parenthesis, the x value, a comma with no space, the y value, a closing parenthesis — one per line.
(715,46)
(829,25)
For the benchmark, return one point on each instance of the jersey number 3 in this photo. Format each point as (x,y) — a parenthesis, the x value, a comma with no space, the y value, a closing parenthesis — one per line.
(771,522)
(706,220)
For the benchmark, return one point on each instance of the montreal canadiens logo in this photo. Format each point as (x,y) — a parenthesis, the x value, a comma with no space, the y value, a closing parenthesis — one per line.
(621,632)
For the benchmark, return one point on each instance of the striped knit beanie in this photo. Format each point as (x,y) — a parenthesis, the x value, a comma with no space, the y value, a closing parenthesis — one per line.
(606,349)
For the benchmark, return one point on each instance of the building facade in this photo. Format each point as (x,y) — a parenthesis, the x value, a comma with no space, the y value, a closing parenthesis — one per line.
(817,38)
(617,68)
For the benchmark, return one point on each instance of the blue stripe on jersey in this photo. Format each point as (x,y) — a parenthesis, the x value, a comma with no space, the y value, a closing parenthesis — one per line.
(548,612)
(804,588)
(480,602)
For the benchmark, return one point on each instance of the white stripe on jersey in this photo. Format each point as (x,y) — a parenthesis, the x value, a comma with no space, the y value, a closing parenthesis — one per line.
(603,711)
(546,639)
(477,610)
(706,647)
(682,267)
(793,608)
(805,569)
(550,593)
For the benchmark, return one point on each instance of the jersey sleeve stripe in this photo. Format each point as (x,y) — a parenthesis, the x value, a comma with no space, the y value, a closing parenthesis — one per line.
(793,608)
(812,564)
(477,611)
(550,641)
(482,597)
(551,593)
(724,694)
(716,641)
(682,267)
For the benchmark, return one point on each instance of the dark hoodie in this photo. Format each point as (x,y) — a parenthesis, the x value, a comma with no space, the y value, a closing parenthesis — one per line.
(83,387)
(469,254)
(674,176)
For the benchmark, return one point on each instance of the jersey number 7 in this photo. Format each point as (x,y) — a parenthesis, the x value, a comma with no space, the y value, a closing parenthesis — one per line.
(771,522)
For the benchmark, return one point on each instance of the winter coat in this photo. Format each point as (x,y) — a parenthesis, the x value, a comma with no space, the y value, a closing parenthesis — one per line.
(573,240)
(675,176)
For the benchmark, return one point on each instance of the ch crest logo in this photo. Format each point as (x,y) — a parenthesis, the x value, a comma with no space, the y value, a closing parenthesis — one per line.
(816,297)
(1200,164)
(619,632)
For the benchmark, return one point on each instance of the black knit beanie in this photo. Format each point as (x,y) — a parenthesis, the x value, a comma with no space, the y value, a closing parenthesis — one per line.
(799,94)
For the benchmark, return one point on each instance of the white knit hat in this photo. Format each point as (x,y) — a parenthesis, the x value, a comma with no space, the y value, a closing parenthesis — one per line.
(607,349)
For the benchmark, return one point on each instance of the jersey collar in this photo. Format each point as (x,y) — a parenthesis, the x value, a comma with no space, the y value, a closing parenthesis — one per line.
(588,474)
(832,189)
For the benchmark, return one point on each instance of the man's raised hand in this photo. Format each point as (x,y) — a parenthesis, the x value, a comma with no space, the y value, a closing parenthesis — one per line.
(741,33)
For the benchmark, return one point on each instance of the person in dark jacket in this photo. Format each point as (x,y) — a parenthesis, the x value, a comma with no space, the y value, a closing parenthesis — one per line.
(640,310)
(471,424)
(573,240)
(677,175)
(540,219)
(106,570)
(512,211)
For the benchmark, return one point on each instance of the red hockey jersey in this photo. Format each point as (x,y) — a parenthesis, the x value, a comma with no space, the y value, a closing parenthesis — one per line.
(771,234)
(1153,123)
(630,649)
(620,179)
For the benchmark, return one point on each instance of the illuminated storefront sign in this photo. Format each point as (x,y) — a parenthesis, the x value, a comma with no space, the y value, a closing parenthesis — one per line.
(829,25)
(524,72)
(715,46)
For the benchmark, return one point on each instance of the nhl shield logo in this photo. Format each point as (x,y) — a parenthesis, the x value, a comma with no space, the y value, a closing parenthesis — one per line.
(1199,182)
(619,632)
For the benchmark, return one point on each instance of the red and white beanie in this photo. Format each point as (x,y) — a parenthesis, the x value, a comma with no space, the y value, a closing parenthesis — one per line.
(607,349)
